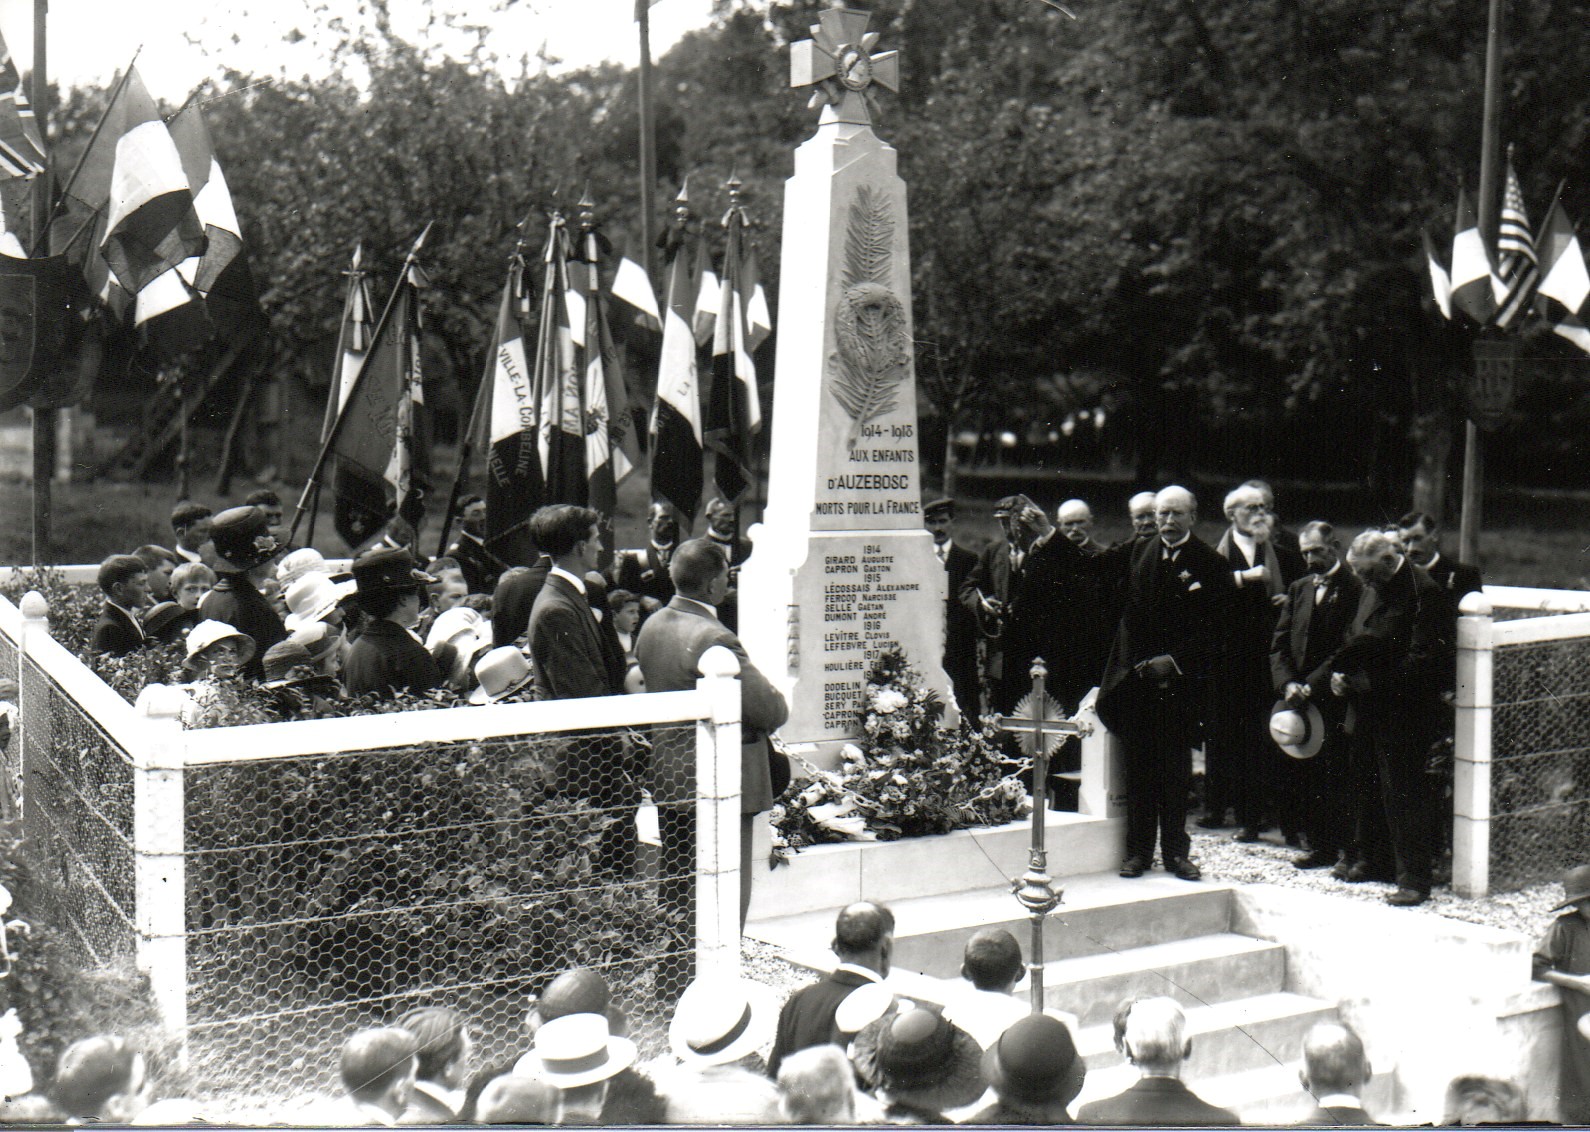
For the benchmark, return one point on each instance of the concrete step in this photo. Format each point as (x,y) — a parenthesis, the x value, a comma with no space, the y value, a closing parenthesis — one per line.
(1228,1037)
(1204,969)
(1100,913)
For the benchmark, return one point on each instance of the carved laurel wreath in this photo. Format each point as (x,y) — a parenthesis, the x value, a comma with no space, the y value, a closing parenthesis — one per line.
(873,348)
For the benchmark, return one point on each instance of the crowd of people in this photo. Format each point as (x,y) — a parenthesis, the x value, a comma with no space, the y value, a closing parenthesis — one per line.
(843,1050)
(1315,673)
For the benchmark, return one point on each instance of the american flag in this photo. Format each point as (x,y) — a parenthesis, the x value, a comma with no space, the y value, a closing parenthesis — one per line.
(1518,269)
(21,148)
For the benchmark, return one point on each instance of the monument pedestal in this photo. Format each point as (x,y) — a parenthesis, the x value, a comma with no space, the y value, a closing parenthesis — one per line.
(841,569)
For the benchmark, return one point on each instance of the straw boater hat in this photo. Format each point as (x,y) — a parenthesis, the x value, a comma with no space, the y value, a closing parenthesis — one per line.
(207,633)
(720,1020)
(864,1006)
(922,1059)
(576,1050)
(242,539)
(1300,732)
(1575,886)
(501,672)
(312,598)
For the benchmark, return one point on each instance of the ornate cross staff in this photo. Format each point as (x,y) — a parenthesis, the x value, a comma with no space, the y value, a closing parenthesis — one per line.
(1039,726)
(838,61)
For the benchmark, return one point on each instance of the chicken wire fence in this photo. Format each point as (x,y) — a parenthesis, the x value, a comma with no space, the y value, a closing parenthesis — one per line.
(1540,760)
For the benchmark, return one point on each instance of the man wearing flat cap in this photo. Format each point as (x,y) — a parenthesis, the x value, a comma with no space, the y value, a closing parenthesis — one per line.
(960,623)
(388,657)
(244,552)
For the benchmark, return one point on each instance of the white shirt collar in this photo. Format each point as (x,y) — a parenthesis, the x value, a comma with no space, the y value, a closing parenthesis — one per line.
(1172,548)
(452,1098)
(1434,558)
(190,555)
(1340,1100)
(856,969)
(574,580)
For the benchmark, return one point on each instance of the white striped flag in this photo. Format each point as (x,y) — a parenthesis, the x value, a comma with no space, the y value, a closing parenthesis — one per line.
(708,295)
(151,226)
(1440,279)
(561,417)
(21,148)
(676,420)
(353,338)
(1471,266)
(734,408)
(514,483)
(212,201)
(631,285)
(1565,283)
(1517,270)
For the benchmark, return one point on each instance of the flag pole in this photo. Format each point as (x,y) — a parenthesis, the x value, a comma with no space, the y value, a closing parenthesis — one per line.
(356,274)
(313,483)
(43,419)
(1490,140)
(648,135)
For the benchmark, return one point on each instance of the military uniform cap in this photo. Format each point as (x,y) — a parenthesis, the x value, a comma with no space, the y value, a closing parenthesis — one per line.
(389,568)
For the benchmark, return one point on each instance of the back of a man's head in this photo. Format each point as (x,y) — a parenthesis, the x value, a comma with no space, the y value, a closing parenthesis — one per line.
(1334,1060)
(511,1099)
(695,566)
(819,1086)
(559,527)
(439,1034)
(861,929)
(1475,1099)
(992,960)
(373,1060)
(1156,1035)
(91,1072)
(725,1094)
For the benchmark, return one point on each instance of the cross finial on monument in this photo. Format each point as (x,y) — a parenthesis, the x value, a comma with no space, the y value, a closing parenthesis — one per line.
(838,61)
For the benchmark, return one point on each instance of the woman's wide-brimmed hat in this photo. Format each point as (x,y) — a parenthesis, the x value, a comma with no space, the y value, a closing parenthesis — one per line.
(242,539)
(922,1059)
(208,633)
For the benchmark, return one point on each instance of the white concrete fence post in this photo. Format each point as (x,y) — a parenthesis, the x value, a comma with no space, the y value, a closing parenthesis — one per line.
(718,791)
(1471,755)
(33,717)
(160,879)
(1102,794)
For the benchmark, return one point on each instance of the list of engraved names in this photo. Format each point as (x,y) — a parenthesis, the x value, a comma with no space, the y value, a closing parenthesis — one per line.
(860,592)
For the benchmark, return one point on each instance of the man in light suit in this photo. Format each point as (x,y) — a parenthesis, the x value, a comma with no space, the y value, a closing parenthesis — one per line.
(566,649)
(669,649)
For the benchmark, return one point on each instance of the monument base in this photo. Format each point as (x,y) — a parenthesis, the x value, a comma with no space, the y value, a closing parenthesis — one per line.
(818,608)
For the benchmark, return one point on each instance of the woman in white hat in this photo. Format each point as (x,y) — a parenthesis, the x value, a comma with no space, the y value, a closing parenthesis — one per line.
(217,654)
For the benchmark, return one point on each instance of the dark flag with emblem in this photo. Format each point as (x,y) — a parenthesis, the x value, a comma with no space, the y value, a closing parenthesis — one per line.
(371,442)
(558,386)
(514,483)
(734,408)
(21,148)
(41,332)
(676,419)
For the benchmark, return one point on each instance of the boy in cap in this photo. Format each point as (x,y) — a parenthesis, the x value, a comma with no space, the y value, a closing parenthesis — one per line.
(387,657)
(245,551)
(1562,958)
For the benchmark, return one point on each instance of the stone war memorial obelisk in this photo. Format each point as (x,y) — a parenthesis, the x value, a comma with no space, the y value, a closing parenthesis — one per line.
(842,569)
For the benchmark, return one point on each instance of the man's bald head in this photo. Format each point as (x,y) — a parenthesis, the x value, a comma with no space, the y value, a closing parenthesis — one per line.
(1334,1060)
(864,934)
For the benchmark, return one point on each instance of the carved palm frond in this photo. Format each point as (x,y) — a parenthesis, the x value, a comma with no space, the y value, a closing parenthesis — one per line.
(873,354)
(869,239)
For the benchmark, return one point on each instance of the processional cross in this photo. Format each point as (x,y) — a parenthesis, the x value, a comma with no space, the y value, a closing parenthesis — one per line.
(1039,726)
(838,61)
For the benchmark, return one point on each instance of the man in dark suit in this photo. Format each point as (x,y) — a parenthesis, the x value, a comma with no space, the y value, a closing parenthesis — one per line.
(1391,671)
(723,529)
(864,942)
(481,567)
(245,550)
(1335,1072)
(1153,693)
(387,657)
(1422,540)
(571,663)
(1243,769)
(645,571)
(669,649)
(960,625)
(1313,624)
(124,580)
(190,530)
(985,591)
(1155,1041)
(514,598)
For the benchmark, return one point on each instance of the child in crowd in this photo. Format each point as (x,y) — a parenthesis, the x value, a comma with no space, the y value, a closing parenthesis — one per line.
(189,583)
(1562,958)
(124,580)
(216,654)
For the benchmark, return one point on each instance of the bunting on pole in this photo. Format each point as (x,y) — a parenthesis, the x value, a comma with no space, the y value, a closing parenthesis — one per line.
(676,419)
(21,147)
(1440,280)
(734,409)
(1471,266)
(514,483)
(1517,270)
(151,226)
(1565,282)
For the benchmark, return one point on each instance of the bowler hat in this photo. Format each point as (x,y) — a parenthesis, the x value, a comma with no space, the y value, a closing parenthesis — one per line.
(922,1059)
(389,568)
(578,991)
(1575,886)
(1300,732)
(501,672)
(1035,1060)
(242,539)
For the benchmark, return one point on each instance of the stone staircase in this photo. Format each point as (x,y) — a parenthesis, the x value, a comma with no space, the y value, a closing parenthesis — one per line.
(1113,939)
